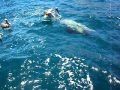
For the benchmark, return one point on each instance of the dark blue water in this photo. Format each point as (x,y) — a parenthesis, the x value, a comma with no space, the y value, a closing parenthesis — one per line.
(45,56)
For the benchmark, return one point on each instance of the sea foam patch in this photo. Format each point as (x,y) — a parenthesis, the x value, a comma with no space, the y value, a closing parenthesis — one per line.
(66,72)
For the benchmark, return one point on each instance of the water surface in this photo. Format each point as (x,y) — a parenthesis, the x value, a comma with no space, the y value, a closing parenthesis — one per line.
(40,56)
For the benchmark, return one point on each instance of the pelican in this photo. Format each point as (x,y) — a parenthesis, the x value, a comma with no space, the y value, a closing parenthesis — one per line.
(5,24)
(51,14)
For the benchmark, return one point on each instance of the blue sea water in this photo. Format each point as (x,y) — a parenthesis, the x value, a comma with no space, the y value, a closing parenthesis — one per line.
(45,56)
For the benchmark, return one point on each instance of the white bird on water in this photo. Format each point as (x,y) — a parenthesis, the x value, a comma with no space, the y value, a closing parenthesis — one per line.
(51,14)
(5,24)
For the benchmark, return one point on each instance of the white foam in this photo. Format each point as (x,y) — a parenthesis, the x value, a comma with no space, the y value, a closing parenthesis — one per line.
(83,80)
(38,66)
(118,17)
(110,78)
(36,87)
(66,61)
(47,73)
(47,61)
(10,79)
(72,82)
(80,70)
(57,55)
(23,83)
(105,72)
(61,86)
(89,82)
(75,57)
(68,65)
(36,81)
(37,11)
(30,61)
(30,82)
(84,83)
(116,80)
(94,68)
(10,74)
(70,73)
(83,65)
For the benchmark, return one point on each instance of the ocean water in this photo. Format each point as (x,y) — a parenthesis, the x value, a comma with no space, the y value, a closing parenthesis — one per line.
(46,56)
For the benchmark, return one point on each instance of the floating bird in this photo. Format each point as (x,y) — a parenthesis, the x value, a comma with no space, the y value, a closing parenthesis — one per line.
(5,24)
(51,14)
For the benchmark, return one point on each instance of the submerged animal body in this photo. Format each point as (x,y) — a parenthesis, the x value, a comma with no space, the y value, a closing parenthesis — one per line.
(51,15)
(76,27)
